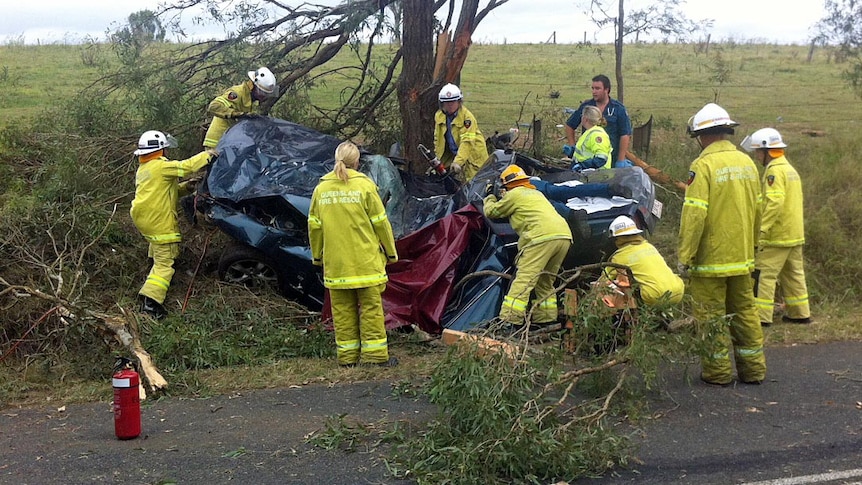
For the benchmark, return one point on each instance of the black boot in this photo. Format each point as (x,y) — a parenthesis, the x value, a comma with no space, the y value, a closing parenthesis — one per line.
(153,308)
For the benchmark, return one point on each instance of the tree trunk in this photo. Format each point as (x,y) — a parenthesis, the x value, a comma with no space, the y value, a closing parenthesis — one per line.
(416,100)
(418,84)
(618,51)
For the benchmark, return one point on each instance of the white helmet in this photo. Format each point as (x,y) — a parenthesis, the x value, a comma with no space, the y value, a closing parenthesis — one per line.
(623,226)
(450,92)
(264,79)
(710,116)
(153,141)
(763,138)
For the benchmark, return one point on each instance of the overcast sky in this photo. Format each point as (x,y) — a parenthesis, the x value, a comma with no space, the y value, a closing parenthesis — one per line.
(519,21)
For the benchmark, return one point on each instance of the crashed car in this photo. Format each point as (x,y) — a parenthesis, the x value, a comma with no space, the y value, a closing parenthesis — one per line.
(451,257)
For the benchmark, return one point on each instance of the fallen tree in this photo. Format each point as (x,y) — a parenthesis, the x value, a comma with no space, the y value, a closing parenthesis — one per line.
(64,278)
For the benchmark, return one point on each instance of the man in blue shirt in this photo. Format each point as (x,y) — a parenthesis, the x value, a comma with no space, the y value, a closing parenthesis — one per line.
(619,125)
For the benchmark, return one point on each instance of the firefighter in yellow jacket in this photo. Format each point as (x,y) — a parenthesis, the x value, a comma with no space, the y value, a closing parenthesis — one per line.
(717,234)
(782,232)
(458,142)
(154,211)
(238,102)
(351,237)
(655,281)
(544,238)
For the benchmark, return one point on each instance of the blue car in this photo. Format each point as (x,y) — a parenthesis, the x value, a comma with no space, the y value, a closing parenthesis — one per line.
(259,188)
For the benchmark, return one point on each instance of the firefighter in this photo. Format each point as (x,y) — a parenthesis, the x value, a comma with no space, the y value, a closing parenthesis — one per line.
(544,238)
(717,234)
(458,143)
(655,282)
(352,239)
(154,211)
(238,102)
(593,149)
(782,233)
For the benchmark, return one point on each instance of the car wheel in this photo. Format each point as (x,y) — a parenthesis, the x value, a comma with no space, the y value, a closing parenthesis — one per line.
(247,266)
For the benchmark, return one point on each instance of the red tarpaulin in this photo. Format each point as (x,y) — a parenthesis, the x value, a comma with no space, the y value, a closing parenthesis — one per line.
(421,281)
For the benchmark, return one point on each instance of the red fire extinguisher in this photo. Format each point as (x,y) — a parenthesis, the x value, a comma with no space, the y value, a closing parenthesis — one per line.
(127,400)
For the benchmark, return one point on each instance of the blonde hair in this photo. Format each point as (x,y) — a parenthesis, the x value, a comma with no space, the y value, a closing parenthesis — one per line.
(346,156)
(594,116)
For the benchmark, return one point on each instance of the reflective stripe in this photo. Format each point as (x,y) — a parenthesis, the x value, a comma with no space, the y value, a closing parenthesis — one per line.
(723,355)
(347,345)
(374,344)
(763,303)
(164,238)
(721,268)
(515,304)
(367,280)
(158,281)
(376,219)
(743,352)
(783,242)
(468,136)
(698,203)
(796,300)
(313,220)
(549,304)
(223,101)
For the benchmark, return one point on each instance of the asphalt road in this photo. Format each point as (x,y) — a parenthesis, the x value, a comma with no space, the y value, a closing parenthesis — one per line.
(803,425)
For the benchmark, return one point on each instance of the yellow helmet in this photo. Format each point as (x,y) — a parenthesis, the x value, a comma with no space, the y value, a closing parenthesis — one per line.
(512,174)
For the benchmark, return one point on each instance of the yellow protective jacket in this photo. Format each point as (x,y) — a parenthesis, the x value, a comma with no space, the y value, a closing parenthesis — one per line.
(472,151)
(593,147)
(720,214)
(349,232)
(157,191)
(225,108)
(782,223)
(530,214)
(651,272)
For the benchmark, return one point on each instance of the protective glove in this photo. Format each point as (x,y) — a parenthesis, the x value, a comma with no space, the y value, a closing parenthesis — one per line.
(577,167)
(568,150)
(682,269)
(489,188)
(455,168)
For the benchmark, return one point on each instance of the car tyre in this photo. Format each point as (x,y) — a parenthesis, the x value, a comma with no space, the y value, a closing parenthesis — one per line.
(249,267)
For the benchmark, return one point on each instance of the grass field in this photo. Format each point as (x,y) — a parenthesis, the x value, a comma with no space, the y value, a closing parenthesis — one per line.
(510,85)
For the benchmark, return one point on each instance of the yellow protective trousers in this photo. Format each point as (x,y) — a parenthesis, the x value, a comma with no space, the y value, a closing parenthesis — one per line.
(537,268)
(731,296)
(360,329)
(784,265)
(159,279)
